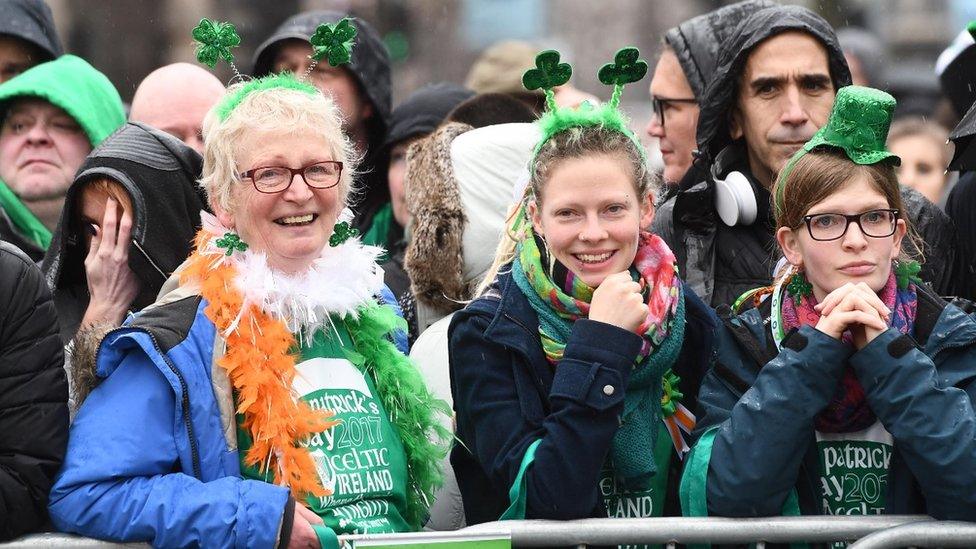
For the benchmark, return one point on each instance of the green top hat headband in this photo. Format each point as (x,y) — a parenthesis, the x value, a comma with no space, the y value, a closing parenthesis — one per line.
(549,73)
(215,40)
(858,126)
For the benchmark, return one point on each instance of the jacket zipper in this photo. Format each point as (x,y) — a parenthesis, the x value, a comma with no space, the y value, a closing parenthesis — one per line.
(184,403)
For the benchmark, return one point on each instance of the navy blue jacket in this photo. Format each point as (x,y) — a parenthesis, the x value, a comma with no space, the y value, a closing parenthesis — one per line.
(507,396)
(760,406)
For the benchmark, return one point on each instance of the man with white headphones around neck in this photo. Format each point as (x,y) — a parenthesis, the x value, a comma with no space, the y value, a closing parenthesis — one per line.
(773,89)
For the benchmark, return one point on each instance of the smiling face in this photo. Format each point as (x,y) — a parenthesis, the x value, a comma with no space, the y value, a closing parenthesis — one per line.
(41,148)
(855,257)
(785,96)
(293,226)
(591,215)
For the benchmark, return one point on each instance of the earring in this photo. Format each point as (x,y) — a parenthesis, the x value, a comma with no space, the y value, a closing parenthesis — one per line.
(799,287)
(231,242)
(906,272)
(342,232)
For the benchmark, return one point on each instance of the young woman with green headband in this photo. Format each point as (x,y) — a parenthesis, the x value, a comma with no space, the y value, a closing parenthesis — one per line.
(848,389)
(574,373)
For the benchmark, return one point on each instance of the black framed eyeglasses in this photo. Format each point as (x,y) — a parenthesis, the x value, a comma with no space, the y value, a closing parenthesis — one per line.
(659,103)
(275,179)
(831,226)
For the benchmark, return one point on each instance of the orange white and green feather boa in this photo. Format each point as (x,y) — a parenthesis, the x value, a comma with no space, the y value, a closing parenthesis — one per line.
(259,311)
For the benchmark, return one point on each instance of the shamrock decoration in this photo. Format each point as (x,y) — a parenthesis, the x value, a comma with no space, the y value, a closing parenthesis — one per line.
(799,287)
(231,242)
(625,69)
(214,41)
(549,72)
(905,272)
(342,232)
(671,395)
(334,42)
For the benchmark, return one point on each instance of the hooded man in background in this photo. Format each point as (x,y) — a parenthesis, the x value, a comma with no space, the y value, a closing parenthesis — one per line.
(27,36)
(773,89)
(52,116)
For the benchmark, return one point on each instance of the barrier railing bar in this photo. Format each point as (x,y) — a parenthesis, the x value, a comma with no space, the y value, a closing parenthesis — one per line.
(925,534)
(69,541)
(543,533)
(873,532)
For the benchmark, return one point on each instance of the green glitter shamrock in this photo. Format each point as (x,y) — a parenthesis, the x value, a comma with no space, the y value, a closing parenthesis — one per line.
(341,232)
(798,287)
(549,72)
(625,69)
(334,42)
(214,41)
(232,242)
(671,395)
(906,272)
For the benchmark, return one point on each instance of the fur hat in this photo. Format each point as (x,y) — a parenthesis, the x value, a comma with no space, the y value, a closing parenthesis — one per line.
(434,258)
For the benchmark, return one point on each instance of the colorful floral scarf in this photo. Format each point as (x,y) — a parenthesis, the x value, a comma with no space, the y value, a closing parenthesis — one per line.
(849,411)
(559,305)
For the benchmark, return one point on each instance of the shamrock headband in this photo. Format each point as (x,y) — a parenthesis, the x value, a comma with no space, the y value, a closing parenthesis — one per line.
(216,39)
(550,73)
(858,127)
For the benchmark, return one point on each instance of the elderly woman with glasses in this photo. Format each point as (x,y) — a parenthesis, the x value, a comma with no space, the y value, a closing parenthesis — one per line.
(261,401)
(849,389)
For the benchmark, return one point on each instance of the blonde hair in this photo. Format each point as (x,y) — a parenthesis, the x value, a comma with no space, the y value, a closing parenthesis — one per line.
(576,142)
(269,110)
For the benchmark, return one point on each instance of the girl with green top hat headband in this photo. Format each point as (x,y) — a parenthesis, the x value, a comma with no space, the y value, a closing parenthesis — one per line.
(848,388)
(575,372)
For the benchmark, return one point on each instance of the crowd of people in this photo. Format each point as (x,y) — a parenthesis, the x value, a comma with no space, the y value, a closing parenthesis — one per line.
(279,312)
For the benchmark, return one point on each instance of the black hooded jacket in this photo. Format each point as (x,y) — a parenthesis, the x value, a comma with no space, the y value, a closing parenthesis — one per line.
(31,21)
(160,174)
(721,262)
(33,395)
(370,66)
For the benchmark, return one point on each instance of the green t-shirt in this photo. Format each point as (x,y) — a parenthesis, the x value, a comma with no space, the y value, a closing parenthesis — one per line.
(640,504)
(361,460)
(854,471)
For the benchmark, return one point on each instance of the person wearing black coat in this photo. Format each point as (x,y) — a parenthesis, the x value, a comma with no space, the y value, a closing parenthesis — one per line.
(720,261)
(33,395)
(155,179)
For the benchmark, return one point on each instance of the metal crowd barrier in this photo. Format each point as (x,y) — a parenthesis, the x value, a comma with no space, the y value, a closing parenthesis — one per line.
(866,533)
(921,534)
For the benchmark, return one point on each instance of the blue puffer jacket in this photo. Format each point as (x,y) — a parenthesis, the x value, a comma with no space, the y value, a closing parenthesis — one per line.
(757,440)
(507,397)
(152,454)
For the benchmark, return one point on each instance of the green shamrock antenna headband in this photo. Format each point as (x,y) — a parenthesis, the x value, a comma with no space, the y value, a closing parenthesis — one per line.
(215,40)
(550,73)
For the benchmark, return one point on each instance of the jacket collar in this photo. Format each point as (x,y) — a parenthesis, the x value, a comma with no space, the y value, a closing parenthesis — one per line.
(514,324)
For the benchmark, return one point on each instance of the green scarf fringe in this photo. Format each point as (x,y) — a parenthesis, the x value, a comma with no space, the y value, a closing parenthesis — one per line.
(412,409)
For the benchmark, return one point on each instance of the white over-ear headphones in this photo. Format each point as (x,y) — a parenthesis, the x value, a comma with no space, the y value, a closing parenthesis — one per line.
(735,200)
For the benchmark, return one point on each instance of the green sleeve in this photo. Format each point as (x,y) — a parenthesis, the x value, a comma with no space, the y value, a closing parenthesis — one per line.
(692,492)
(516,494)
(327,536)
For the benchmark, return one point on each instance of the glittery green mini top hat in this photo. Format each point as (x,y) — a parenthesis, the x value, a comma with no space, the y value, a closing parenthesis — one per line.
(215,39)
(549,73)
(858,127)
